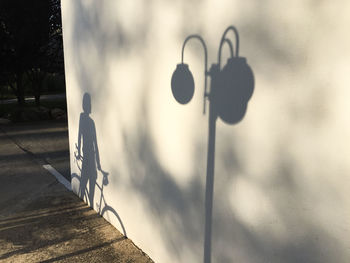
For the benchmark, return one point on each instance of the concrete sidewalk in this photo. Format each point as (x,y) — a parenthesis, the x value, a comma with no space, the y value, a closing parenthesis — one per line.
(41,221)
(45,141)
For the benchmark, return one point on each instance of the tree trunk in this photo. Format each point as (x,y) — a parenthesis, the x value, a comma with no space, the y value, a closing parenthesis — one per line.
(20,90)
(37,99)
(38,78)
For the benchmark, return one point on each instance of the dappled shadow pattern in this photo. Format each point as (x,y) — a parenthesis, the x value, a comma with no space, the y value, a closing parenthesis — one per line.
(176,208)
(55,227)
(235,240)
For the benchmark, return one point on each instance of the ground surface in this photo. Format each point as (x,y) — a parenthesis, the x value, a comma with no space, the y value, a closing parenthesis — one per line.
(41,221)
(45,141)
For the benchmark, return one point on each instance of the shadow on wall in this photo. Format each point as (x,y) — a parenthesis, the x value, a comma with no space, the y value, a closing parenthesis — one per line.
(89,163)
(235,240)
(230,90)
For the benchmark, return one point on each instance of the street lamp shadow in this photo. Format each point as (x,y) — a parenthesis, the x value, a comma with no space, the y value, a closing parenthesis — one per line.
(231,88)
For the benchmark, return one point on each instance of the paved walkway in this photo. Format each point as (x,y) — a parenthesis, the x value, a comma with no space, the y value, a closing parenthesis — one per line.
(40,220)
(45,141)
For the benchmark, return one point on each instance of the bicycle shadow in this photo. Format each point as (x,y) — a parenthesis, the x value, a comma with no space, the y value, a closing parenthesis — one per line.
(87,159)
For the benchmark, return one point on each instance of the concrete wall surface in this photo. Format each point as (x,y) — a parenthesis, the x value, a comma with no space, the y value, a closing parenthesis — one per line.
(282,173)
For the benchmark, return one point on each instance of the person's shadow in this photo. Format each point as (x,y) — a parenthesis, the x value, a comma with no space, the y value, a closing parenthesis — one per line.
(87,143)
(87,159)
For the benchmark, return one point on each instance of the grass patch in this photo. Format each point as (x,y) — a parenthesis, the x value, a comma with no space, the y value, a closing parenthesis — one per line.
(13,112)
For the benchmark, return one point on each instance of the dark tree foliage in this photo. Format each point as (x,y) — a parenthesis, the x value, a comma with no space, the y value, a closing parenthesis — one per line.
(30,43)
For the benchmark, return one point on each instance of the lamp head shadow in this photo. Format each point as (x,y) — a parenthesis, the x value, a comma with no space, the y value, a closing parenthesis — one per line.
(182,84)
(235,86)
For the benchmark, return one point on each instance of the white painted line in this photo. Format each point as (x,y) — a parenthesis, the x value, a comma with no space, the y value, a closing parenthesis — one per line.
(58,176)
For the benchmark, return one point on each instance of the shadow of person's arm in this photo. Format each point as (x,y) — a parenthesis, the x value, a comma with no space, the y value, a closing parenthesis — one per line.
(79,136)
(97,154)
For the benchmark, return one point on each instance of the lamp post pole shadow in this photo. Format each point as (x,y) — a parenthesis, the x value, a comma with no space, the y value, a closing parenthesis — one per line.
(209,190)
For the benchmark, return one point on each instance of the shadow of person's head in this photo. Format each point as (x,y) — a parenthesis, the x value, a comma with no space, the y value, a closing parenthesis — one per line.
(87,103)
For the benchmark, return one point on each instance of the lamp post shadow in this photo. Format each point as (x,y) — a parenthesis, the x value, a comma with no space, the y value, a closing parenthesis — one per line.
(230,91)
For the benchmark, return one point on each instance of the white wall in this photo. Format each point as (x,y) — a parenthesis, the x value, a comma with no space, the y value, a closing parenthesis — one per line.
(282,175)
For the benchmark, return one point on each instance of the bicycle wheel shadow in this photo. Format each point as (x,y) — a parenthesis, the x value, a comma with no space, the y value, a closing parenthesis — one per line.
(87,159)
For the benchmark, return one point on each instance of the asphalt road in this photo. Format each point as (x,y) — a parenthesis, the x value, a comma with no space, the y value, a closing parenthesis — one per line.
(42,97)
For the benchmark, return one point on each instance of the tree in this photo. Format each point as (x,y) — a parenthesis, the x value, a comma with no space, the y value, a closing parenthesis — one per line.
(31,43)
(50,58)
